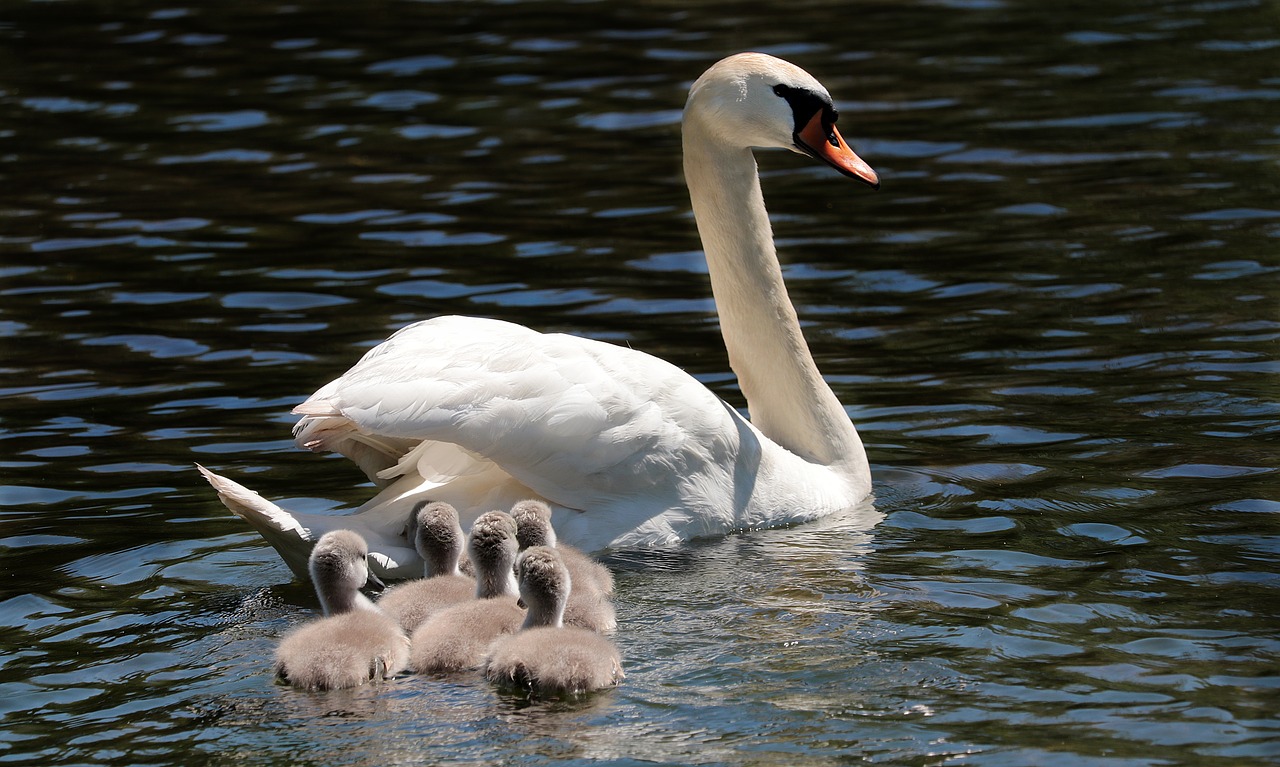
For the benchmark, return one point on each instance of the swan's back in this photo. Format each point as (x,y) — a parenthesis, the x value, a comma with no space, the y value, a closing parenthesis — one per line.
(426,381)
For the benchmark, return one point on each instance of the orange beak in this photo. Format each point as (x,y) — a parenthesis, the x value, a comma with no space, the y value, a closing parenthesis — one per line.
(831,149)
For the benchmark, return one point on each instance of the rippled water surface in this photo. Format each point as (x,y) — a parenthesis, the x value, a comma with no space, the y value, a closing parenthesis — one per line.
(1056,326)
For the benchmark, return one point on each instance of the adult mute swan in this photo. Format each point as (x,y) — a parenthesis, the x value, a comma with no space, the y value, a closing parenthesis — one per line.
(626,449)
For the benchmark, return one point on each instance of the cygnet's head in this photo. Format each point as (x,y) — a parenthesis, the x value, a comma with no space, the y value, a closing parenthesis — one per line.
(493,548)
(437,537)
(544,586)
(758,100)
(533,524)
(339,567)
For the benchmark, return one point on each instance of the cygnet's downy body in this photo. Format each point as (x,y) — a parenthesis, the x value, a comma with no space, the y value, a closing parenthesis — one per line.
(589,606)
(355,642)
(438,538)
(456,638)
(547,657)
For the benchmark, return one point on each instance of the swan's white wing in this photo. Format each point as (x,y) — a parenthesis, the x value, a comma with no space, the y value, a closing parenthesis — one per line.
(293,534)
(581,422)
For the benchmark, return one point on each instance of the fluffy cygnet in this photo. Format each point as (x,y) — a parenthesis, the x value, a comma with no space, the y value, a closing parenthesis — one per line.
(547,657)
(438,539)
(589,606)
(455,638)
(356,642)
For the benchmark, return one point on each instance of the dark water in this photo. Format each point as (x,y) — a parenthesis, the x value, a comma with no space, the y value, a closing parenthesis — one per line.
(1056,327)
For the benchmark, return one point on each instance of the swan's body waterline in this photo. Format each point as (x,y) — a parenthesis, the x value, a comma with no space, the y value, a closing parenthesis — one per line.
(627,449)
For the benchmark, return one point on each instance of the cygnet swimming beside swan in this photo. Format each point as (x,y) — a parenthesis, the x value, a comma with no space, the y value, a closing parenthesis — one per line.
(356,642)
(589,606)
(533,528)
(437,535)
(547,657)
(456,638)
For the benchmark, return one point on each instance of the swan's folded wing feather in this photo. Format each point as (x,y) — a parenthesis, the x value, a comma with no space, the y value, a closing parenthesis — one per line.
(579,421)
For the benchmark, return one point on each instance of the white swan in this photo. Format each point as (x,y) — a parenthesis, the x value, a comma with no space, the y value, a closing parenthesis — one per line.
(627,449)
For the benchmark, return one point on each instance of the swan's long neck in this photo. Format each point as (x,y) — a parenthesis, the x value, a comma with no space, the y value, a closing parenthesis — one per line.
(786,395)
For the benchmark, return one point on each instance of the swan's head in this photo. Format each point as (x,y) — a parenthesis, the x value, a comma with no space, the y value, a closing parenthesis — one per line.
(757,100)
(339,567)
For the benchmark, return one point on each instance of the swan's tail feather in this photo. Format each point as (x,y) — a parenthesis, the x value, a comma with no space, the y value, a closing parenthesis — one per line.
(280,528)
(319,432)
(374,454)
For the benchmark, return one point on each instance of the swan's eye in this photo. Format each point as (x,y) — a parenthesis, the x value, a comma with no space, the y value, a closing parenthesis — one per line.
(805,104)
